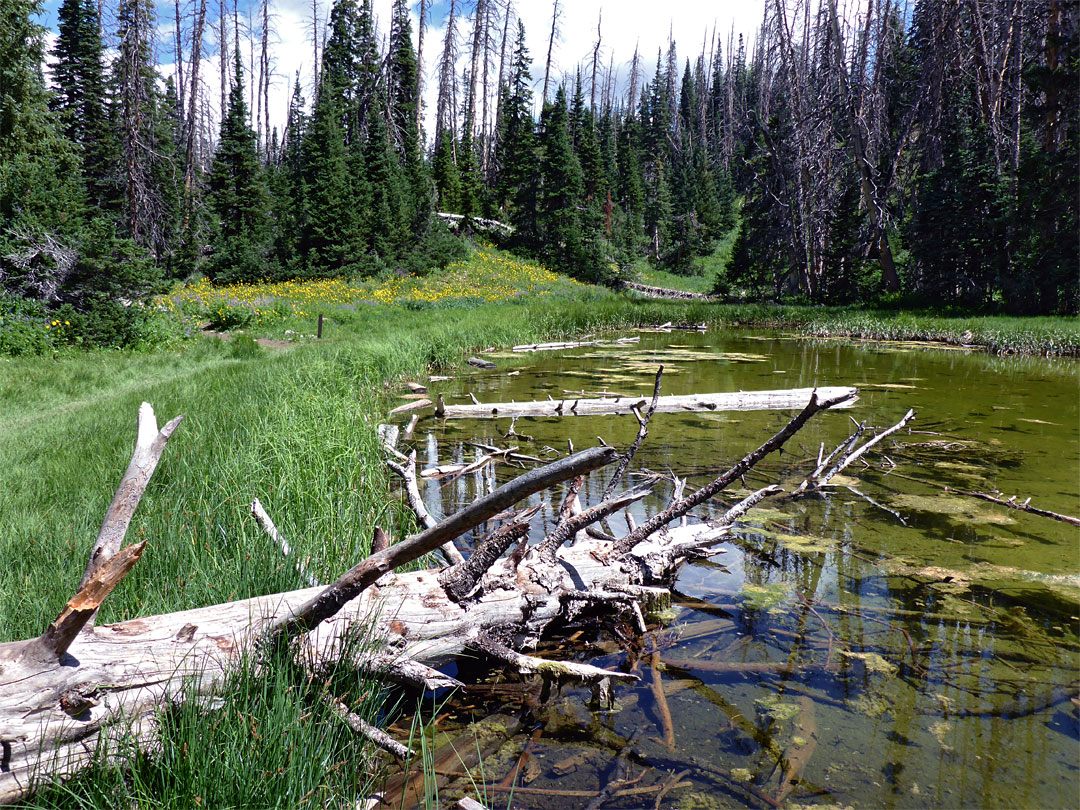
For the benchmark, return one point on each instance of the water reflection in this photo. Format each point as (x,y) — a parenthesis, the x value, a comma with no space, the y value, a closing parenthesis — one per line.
(889,644)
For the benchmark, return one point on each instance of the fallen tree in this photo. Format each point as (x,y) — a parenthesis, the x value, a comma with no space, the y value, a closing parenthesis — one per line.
(77,686)
(680,403)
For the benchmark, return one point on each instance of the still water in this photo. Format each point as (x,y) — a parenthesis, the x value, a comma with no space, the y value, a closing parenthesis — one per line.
(892,643)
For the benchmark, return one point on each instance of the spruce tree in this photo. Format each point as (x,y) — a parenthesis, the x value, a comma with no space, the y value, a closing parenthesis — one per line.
(387,212)
(444,172)
(515,149)
(287,187)
(239,198)
(79,99)
(560,224)
(332,241)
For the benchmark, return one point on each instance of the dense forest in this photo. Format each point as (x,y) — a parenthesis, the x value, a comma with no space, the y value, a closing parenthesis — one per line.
(923,153)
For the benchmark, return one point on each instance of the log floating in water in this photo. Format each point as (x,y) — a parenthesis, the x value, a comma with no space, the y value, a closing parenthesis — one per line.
(729,401)
(572,344)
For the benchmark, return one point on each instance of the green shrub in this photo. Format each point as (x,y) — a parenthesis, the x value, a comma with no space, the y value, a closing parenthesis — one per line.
(23,324)
(227,316)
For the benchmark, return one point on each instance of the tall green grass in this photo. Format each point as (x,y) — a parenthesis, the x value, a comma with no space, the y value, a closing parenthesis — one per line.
(269,739)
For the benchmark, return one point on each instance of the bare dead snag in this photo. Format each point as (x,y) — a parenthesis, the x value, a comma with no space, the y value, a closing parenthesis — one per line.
(407,473)
(681,507)
(51,645)
(149,445)
(817,480)
(643,431)
(459,580)
(330,601)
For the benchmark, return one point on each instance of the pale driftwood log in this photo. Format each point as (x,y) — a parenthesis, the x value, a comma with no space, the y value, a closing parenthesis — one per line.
(149,445)
(407,473)
(52,717)
(478,222)
(572,344)
(735,401)
(664,292)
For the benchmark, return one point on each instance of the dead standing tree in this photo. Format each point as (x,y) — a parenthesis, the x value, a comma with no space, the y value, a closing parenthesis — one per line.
(77,685)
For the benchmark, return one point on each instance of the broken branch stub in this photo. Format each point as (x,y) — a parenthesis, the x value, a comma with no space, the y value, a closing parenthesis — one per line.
(149,445)
(459,580)
(643,431)
(80,609)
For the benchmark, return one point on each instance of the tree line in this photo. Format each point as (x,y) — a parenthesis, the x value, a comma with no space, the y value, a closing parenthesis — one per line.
(923,152)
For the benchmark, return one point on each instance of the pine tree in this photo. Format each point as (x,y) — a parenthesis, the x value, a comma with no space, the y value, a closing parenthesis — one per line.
(332,242)
(239,198)
(444,172)
(78,74)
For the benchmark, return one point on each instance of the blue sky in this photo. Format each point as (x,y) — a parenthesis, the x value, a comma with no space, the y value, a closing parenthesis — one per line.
(626,24)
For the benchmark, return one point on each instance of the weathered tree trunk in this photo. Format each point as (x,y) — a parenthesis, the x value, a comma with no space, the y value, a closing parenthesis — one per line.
(738,401)
(551,49)
(76,686)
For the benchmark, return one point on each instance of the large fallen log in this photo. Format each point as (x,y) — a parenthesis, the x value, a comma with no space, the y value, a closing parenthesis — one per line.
(66,693)
(732,401)
(664,292)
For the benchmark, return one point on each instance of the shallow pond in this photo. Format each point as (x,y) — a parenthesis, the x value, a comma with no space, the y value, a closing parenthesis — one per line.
(894,644)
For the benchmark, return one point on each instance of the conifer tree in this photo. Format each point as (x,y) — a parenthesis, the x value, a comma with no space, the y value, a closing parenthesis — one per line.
(332,241)
(387,213)
(79,99)
(444,172)
(239,198)
(287,187)
(559,222)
